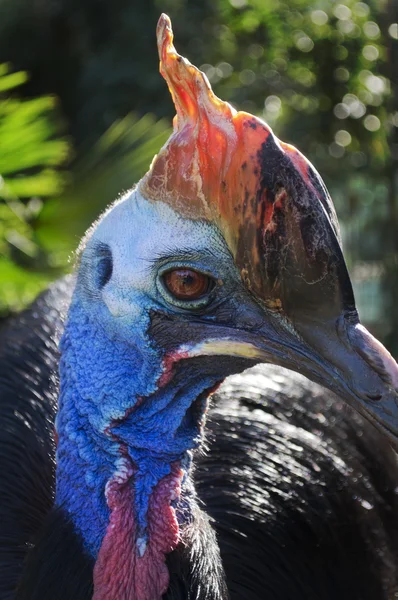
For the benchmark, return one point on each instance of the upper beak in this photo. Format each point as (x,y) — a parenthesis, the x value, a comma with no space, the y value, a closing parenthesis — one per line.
(339,354)
(344,357)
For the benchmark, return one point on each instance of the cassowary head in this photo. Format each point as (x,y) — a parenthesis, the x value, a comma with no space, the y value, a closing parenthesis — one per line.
(226,254)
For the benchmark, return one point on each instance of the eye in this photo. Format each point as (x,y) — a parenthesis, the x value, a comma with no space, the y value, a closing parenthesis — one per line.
(187,284)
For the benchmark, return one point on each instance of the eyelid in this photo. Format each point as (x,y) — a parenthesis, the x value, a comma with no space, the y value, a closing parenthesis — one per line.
(188,264)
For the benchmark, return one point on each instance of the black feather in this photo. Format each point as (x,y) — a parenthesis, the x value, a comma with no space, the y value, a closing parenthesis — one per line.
(302,491)
(28,371)
(57,567)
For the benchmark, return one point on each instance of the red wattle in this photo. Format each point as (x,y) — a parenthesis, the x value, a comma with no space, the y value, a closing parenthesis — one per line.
(120,573)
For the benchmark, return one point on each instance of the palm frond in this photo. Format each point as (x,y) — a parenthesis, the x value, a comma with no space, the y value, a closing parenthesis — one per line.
(30,157)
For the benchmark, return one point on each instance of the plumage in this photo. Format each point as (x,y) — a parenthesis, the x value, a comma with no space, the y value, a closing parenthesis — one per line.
(127,472)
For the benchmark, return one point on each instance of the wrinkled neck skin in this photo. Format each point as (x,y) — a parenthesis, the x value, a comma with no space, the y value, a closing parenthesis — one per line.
(123,456)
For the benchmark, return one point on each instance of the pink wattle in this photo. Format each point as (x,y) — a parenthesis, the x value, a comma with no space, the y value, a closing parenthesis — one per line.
(119,572)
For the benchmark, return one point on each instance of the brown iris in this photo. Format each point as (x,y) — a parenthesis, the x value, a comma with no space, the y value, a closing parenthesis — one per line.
(187,284)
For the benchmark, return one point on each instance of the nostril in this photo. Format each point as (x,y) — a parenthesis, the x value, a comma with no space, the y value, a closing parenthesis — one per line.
(374,353)
(374,397)
(104,266)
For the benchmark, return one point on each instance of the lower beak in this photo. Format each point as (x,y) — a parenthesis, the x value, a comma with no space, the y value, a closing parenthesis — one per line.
(340,355)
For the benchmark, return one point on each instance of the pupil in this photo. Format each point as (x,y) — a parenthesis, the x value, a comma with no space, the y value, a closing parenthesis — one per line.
(188,280)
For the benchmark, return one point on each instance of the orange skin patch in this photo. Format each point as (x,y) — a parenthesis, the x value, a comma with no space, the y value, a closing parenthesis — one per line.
(209,164)
(227,167)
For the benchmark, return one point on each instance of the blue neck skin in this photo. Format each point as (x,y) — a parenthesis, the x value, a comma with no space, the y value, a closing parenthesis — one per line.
(109,406)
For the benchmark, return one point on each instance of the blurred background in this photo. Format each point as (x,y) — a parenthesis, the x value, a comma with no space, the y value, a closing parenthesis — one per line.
(83,110)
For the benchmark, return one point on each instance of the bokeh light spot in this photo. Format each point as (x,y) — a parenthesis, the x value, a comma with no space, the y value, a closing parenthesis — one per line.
(348,28)
(340,52)
(256,51)
(358,110)
(214,74)
(206,68)
(370,52)
(238,3)
(304,43)
(365,96)
(336,150)
(350,99)
(280,64)
(225,68)
(270,75)
(341,74)
(342,138)
(273,104)
(363,75)
(341,111)
(371,123)
(355,107)
(376,100)
(342,12)
(361,9)
(371,30)
(319,17)
(393,31)
(247,77)
(305,76)
(375,84)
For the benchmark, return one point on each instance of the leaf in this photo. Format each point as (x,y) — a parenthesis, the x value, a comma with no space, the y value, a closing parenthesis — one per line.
(12,81)
(30,156)
(18,286)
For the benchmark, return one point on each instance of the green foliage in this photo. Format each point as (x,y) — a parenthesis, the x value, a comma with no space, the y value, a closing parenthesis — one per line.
(9,81)
(29,156)
(109,168)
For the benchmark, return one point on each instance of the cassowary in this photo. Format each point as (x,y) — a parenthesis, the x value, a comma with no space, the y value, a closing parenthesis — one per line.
(226,255)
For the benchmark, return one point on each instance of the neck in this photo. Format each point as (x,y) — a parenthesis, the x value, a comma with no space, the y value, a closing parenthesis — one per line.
(123,458)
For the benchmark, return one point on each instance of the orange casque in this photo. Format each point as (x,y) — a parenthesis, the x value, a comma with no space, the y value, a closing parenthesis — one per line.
(228,167)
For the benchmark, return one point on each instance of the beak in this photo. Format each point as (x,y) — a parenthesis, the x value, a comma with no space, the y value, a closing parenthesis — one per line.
(338,354)
(344,357)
